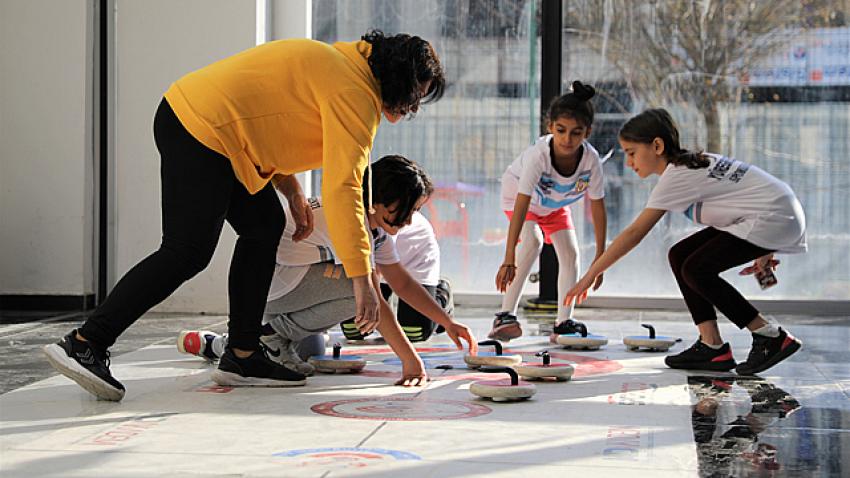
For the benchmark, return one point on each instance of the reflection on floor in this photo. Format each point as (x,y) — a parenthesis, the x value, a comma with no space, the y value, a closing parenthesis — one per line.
(623,413)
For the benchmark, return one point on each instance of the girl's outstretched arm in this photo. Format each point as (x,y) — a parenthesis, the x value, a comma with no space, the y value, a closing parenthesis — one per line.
(622,244)
(507,271)
(600,230)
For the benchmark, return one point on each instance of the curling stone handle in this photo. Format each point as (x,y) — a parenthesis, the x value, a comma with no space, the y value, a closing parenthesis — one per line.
(651,330)
(494,343)
(545,355)
(507,370)
(337,349)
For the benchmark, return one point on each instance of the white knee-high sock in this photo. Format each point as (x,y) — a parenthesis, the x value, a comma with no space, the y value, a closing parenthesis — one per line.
(528,250)
(566,247)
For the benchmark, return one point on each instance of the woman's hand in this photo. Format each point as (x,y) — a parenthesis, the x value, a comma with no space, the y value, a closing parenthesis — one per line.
(302,215)
(506,275)
(366,304)
(413,374)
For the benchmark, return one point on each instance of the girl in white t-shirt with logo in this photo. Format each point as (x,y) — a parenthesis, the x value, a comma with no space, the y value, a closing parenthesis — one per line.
(750,215)
(537,190)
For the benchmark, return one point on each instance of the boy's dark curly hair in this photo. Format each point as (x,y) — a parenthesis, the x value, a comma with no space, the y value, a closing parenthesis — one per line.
(400,183)
(401,64)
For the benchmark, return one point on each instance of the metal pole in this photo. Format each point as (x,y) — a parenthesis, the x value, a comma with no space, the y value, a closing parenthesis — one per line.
(551,27)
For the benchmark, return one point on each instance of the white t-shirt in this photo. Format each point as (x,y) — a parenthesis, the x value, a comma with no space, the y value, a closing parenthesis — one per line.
(295,258)
(532,174)
(735,197)
(418,250)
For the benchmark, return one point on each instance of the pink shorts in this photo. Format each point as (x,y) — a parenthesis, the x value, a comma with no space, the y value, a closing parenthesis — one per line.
(551,223)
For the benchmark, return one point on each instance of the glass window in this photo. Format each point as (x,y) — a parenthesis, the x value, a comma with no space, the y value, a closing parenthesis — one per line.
(766,82)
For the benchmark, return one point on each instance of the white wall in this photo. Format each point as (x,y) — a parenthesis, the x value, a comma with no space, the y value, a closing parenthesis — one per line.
(45,147)
(157,42)
(46,164)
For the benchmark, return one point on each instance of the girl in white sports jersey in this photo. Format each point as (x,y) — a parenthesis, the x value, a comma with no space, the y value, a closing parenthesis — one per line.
(537,190)
(750,215)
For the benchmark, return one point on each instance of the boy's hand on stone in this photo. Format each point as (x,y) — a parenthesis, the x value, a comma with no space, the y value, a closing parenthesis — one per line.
(458,331)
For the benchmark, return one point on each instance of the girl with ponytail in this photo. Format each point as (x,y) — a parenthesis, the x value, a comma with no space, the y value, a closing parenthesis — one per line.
(749,215)
(537,189)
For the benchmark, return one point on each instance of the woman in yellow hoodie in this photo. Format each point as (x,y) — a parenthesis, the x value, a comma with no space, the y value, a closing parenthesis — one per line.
(228,134)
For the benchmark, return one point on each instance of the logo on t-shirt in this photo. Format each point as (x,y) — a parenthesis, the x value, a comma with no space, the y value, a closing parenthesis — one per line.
(546,183)
(581,185)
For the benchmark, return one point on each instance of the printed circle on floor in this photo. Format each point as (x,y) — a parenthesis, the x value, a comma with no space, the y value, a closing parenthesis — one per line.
(400,409)
(343,457)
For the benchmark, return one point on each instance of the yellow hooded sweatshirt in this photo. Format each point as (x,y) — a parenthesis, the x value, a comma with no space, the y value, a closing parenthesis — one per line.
(290,106)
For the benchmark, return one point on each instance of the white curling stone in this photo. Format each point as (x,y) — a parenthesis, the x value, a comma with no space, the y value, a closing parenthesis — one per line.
(559,371)
(659,342)
(502,390)
(491,359)
(577,341)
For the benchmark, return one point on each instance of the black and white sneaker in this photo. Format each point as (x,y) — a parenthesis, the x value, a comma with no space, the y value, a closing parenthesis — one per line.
(768,351)
(85,365)
(256,370)
(283,351)
(702,357)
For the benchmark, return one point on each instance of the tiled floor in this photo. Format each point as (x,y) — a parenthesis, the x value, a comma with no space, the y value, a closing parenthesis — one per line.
(623,414)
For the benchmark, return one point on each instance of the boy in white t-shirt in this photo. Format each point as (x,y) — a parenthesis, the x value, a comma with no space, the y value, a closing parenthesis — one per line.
(750,215)
(419,255)
(310,293)
(537,191)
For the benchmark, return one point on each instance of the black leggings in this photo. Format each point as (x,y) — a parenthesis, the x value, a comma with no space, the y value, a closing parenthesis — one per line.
(697,262)
(410,317)
(199,192)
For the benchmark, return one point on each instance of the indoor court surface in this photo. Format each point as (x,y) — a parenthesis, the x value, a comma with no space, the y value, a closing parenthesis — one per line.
(624,413)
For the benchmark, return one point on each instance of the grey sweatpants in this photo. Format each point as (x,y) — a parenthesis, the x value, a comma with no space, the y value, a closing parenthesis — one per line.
(323,298)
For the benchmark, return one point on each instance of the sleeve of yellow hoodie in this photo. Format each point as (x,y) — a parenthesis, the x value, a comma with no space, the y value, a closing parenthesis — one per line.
(349,123)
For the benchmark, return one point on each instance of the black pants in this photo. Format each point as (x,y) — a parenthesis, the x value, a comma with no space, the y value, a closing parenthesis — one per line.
(697,262)
(199,192)
(410,317)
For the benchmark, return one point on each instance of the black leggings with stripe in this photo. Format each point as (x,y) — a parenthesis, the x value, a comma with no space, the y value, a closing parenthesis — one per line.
(697,262)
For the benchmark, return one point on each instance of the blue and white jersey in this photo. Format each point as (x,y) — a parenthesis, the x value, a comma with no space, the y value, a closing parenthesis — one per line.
(735,197)
(533,174)
(295,258)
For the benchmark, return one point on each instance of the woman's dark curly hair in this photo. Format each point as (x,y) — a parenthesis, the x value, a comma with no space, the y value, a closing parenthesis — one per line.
(401,64)
(399,182)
